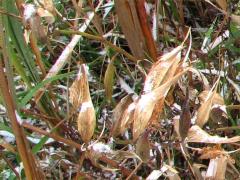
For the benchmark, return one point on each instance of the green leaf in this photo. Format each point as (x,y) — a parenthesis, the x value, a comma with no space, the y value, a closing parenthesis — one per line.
(33,91)
(15,31)
(39,145)
(5,128)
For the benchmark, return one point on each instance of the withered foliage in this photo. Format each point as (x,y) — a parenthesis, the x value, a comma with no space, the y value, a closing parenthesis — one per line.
(142,89)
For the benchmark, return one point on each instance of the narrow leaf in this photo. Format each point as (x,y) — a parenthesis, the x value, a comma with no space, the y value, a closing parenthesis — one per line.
(197,135)
(185,118)
(109,79)
(131,26)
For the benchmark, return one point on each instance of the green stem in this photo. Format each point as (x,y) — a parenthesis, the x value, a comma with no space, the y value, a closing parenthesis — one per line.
(101,39)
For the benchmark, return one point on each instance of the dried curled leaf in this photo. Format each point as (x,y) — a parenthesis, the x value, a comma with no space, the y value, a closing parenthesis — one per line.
(212,152)
(198,135)
(131,26)
(80,97)
(162,71)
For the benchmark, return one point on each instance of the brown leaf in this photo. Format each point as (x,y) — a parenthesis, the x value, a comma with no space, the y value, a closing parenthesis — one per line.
(222,4)
(235,19)
(76,93)
(143,147)
(147,33)
(158,108)
(205,108)
(161,72)
(217,168)
(197,135)
(185,118)
(109,79)
(212,152)
(131,26)
(118,114)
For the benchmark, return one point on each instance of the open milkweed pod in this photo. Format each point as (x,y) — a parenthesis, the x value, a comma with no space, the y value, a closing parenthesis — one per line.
(217,98)
(218,114)
(205,108)
(143,147)
(163,70)
(146,103)
(86,121)
(127,118)
(80,97)
(118,114)
(76,92)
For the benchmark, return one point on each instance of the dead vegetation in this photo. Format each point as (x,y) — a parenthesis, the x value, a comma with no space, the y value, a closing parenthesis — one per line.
(119,89)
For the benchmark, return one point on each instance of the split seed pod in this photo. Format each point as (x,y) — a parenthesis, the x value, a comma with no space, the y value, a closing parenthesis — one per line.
(80,97)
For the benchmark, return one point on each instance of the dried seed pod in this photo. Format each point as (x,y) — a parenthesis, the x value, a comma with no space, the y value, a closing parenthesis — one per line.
(80,97)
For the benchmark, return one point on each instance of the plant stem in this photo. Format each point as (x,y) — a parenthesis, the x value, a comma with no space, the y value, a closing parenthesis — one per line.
(101,39)
(29,163)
